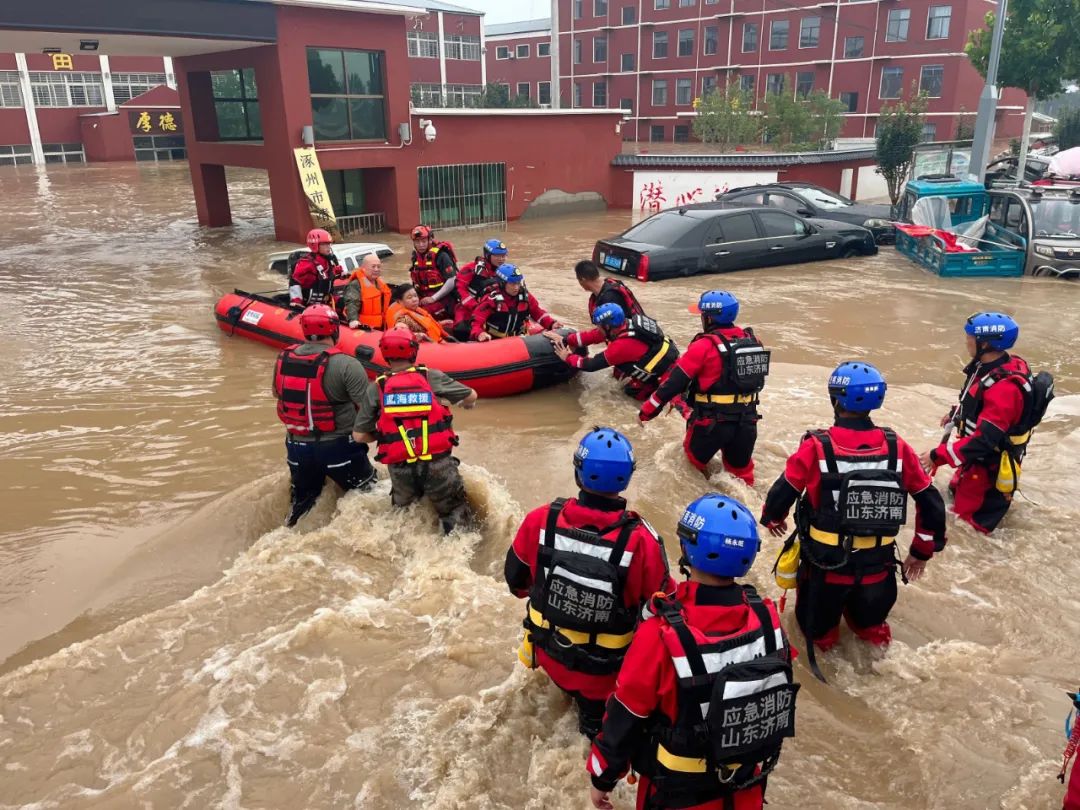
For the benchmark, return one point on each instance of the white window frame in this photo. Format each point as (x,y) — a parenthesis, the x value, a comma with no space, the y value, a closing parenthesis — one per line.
(862,48)
(462,47)
(10,89)
(902,24)
(679,41)
(459,95)
(595,86)
(528,90)
(423,45)
(597,40)
(881,83)
(757,37)
(522,51)
(126,86)
(667,44)
(688,86)
(705,40)
(502,52)
(543,49)
(656,85)
(540,92)
(787,42)
(596,8)
(67,89)
(930,18)
(803,28)
(941,86)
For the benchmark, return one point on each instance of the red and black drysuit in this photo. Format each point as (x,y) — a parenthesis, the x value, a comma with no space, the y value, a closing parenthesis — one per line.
(503,315)
(312,279)
(654,719)
(432,273)
(586,565)
(725,409)
(613,291)
(856,478)
(989,420)
(639,358)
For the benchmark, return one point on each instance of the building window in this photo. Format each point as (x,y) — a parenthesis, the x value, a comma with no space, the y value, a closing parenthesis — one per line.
(659,92)
(543,93)
(579,9)
(460,46)
(522,51)
(502,52)
(128,85)
(153,148)
(929,132)
(599,8)
(577,94)
(346,190)
(749,37)
(897,28)
(656,132)
(937,22)
(523,90)
(462,194)
(629,15)
(67,89)
(599,49)
(778,35)
(63,152)
(684,92)
(17,155)
(347,97)
(599,94)
(429,95)
(10,96)
(930,80)
(424,45)
(577,51)
(626,62)
(708,84)
(543,49)
(659,45)
(853,47)
(804,83)
(465,95)
(686,42)
(236,101)
(626,104)
(746,82)
(892,82)
(851,101)
(659,5)
(809,32)
(712,39)
(687,3)
(682,133)
(774,83)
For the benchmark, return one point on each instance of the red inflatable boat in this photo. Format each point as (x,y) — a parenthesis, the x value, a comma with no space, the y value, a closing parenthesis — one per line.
(497,368)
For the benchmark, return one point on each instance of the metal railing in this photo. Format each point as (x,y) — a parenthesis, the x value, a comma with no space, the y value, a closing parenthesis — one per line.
(463,194)
(354,224)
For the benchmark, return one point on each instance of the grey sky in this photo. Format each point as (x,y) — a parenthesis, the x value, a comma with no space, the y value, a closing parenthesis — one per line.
(502,11)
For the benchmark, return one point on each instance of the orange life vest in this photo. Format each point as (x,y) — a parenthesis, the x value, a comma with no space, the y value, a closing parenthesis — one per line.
(419,316)
(374,300)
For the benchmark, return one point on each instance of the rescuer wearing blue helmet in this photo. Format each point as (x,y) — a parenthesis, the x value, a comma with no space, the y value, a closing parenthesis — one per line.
(711,628)
(993,422)
(586,565)
(851,482)
(473,280)
(508,307)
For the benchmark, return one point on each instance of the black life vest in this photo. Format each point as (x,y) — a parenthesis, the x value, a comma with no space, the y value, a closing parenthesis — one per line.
(622,295)
(482,279)
(510,316)
(303,405)
(576,613)
(744,365)
(736,706)
(662,353)
(1037,390)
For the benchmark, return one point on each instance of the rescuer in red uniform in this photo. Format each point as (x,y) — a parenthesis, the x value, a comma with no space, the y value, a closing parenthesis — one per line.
(721,373)
(586,565)
(852,482)
(606,290)
(705,697)
(998,409)
(473,280)
(318,387)
(312,278)
(506,309)
(432,269)
(415,431)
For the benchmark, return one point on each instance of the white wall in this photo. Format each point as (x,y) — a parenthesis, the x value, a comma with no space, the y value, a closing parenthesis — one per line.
(656,190)
(871,185)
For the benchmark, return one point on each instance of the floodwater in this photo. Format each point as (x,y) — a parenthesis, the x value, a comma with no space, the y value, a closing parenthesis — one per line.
(166,644)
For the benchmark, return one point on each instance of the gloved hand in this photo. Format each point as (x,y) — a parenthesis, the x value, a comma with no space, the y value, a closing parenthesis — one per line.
(777,528)
(650,409)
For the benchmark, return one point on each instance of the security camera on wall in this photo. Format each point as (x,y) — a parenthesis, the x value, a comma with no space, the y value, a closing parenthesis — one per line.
(429,130)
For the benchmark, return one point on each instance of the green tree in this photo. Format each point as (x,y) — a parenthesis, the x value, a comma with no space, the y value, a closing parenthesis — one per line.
(899,131)
(725,116)
(1067,129)
(800,123)
(828,117)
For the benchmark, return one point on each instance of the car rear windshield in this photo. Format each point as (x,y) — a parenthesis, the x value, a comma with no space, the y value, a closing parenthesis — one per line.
(662,229)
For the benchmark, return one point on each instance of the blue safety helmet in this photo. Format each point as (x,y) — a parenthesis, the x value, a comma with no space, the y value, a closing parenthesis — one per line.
(996,329)
(494,247)
(857,386)
(719,306)
(604,461)
(609,316)
(509,274)
(719,536)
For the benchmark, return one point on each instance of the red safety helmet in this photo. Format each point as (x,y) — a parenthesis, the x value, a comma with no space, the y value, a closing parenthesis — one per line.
(398,344)
(319,320)
(422,232)
(317,237)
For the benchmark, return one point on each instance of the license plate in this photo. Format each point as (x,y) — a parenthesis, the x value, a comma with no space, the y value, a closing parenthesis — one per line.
(614,262)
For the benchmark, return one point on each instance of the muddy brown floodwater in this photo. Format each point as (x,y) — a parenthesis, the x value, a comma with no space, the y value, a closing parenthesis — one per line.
(166,644)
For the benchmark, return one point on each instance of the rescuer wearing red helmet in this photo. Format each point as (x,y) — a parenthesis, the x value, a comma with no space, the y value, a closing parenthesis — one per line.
(312,279)
(432,271)
(318,388)
(414,429)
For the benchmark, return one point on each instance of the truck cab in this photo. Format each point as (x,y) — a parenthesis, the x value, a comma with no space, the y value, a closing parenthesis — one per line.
(1048,218)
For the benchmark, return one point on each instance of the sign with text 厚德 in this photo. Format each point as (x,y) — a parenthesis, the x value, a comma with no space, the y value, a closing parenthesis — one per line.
(155,122)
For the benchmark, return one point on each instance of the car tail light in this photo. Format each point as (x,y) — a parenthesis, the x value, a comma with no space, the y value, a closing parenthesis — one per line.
(643,267)
(596,253)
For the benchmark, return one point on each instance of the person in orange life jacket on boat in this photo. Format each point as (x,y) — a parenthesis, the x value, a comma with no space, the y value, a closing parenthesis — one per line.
(993,422)
(586,565)
(432,269)
(606,290)
(506,309)
(720,373)
(366,296)
(638,352)
(403,412)
(851,482)
(705,697)
(405,311)
(318,388)
(312,278)
(473,280)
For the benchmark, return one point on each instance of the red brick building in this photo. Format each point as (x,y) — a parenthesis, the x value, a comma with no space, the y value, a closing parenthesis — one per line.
(518,56)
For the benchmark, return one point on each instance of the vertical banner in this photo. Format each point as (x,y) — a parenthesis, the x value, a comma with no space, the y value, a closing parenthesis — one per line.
(311,178)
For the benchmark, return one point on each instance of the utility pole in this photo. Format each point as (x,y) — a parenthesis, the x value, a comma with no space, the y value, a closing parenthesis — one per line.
(984,122)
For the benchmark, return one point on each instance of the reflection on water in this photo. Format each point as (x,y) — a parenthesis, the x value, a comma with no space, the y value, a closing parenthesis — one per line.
(362,661)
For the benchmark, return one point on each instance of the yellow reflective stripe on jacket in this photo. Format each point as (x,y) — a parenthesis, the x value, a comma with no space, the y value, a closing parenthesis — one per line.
(833,539)
(673,762)
(658,356)
(1023,438)
(724,399)
(606,640)
(414,457)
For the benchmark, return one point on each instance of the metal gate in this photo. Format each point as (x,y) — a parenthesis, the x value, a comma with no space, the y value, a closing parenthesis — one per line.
(463,194)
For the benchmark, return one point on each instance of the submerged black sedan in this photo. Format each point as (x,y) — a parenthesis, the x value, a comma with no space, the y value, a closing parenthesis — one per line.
(709,239)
